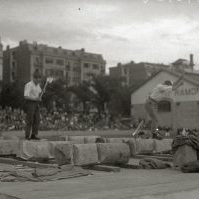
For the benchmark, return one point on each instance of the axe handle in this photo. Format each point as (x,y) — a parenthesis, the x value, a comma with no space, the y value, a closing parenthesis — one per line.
(44,89)
(138,128)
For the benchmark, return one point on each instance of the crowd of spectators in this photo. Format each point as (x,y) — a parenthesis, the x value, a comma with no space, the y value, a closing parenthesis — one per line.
(11,119)
(58,119)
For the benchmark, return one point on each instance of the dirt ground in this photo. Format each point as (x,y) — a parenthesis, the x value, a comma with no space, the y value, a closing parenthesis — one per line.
(46,134)
(127,184)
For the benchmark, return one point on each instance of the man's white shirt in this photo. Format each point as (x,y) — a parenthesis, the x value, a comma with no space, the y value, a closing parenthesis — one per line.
(32,90)
(161,91)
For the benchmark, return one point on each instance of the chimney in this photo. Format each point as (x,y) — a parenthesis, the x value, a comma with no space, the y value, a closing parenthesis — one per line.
(24,42)
(191,64)
(34,43)
(1,45)
(119,64)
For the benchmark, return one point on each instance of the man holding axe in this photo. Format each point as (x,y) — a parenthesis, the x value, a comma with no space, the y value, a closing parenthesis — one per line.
(161,91)
(33,96)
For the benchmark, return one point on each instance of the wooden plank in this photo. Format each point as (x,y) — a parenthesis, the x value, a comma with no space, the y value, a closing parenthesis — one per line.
(169,159)
(106,168)
(130,166)
(26,163)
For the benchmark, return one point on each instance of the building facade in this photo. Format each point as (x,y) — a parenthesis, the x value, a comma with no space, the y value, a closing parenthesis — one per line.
(1,60)
(181,110)
(131,73)
(74,66)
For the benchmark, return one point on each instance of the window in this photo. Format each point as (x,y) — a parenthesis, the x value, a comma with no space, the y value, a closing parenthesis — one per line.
(164,106)
(55,50)
(55,73)
(60,62)
(13,76)
(103,71)
(69,80)
(13,53)
(48,72)
(13,66)
(60,73)
(68,66)
(95,66)
(86,65)
(37,62)
(66,76)
(76,69)
(125,71)
(49,60)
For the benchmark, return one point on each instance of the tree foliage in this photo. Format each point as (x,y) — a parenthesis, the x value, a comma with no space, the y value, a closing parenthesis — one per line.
(56,92)
(105,92)
(12,95)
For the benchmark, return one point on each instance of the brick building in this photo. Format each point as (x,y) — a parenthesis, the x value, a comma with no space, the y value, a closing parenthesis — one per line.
(181,111)
(131,73)
(74,66)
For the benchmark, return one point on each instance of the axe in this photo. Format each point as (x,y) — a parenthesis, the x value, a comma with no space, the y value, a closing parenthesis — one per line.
(49,80)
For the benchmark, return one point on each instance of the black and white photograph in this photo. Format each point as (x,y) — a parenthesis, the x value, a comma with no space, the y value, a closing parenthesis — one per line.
(99,99)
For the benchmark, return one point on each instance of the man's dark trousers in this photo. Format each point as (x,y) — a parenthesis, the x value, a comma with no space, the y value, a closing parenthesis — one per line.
(32,119)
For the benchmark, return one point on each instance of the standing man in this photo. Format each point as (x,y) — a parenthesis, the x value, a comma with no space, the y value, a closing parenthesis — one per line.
(32,95)
(158,93)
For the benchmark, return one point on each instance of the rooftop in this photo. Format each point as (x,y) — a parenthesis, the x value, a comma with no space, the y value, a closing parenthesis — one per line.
(59,51)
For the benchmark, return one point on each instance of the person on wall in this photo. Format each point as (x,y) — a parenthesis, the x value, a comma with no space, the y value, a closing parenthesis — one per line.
(32,95)
(158,93)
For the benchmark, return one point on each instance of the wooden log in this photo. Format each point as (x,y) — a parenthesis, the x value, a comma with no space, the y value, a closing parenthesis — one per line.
(183,155)
(144,146)
(9,147)
(113,153)
(163,145)
(53,144)
(114,140)
(85,154)
(34,150)
(76,139)
(132,146)
(90,139)
(62,152)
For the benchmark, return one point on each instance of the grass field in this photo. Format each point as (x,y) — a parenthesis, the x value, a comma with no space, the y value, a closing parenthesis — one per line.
(55,134)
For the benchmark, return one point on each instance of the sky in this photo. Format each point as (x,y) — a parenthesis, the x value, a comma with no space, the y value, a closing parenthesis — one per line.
(158,31)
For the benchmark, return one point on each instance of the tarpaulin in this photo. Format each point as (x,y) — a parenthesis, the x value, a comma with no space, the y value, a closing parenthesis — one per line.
(152,163)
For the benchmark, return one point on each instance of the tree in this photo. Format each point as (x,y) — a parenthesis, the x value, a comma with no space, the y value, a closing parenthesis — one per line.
(109,90)
(120,102)
(12,95)
(57,92)
(83,93)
